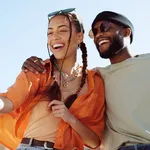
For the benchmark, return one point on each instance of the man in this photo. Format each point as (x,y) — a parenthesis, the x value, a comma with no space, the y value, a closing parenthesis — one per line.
(126,83)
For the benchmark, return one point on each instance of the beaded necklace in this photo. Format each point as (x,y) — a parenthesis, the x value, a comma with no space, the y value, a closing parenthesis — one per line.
(68,78)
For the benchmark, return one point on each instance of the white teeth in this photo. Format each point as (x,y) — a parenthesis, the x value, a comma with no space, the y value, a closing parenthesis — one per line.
(103,41)
(57,45)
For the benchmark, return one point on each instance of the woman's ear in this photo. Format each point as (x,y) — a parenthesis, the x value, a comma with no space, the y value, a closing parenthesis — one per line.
(80,37)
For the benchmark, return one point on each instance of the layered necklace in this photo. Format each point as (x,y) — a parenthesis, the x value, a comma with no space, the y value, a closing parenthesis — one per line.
(66,77)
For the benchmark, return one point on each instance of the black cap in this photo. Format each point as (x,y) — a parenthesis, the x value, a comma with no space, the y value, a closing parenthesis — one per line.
(114,18)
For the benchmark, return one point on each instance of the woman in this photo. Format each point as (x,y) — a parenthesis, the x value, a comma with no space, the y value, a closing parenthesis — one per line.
(61,109)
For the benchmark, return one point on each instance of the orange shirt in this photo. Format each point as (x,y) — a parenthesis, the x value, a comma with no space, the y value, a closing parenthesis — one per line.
(88,108)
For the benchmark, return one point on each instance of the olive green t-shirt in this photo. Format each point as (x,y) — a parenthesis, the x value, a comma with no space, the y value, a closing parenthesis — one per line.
(127,89)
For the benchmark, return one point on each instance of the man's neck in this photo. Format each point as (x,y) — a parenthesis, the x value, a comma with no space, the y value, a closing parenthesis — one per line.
(121,56)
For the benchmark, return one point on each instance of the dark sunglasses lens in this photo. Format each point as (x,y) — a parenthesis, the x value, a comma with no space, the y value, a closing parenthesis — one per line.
(94,31)
(104,27)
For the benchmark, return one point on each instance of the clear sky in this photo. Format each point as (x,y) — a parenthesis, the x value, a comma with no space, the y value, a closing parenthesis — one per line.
(23,27)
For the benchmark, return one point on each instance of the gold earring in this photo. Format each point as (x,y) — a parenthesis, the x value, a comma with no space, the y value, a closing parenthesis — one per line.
(79,45)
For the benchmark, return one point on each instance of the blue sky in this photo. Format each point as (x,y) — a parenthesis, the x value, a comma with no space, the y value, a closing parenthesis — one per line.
(23,27)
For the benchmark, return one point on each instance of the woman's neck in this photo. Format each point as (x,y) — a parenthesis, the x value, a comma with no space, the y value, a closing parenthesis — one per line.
(65,66)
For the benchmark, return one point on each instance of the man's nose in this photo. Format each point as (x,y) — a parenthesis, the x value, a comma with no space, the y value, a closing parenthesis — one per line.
(99,33)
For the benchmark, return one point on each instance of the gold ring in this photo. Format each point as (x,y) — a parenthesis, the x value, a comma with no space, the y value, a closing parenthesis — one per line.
(35,60)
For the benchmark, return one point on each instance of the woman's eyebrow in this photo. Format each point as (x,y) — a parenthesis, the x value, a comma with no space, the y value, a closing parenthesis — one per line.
(59,26)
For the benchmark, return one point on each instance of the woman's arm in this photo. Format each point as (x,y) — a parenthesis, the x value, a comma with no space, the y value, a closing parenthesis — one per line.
(17,94)
(6,105)
(88,136)
(94,123)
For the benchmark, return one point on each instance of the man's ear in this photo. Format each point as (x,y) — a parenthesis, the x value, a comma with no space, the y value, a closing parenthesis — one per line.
(127,32)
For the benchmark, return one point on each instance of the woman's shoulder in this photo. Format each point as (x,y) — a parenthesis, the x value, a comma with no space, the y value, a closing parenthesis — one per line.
(93,75)
(96,75)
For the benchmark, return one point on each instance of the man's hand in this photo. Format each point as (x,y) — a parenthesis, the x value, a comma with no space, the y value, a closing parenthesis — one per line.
(34,64)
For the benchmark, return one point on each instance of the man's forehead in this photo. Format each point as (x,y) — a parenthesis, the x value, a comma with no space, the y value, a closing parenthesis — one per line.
(99,22)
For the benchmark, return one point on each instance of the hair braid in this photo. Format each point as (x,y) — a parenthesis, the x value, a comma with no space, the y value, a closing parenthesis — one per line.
(72,98)
(84,60)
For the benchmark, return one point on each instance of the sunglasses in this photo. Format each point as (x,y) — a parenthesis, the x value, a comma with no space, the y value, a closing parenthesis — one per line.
(104,27)
(61,12)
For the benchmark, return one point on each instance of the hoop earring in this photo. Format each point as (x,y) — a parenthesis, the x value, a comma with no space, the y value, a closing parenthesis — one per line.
(79,45)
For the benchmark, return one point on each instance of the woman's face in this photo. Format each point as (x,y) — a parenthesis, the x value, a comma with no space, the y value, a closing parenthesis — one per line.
(58,37)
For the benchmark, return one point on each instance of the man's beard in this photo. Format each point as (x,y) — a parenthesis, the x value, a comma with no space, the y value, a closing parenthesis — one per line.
(115,47)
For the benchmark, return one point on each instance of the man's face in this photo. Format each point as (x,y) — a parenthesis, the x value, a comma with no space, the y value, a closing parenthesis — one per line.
(108,38)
